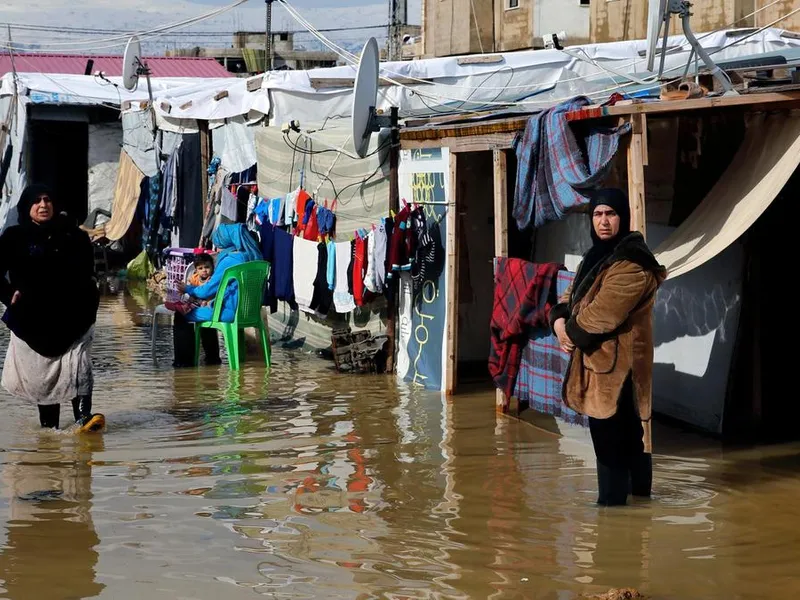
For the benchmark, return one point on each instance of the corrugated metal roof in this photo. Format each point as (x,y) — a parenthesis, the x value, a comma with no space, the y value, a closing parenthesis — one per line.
(75,64)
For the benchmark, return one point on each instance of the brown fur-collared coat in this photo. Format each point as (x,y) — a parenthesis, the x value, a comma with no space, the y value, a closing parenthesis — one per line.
(610,320)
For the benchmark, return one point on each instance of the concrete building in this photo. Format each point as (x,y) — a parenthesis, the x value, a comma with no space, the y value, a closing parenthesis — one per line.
(614,20)
(453,27)
(246,55)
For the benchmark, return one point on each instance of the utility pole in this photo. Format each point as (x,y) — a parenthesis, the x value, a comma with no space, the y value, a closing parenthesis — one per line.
(398,17)
(268,38)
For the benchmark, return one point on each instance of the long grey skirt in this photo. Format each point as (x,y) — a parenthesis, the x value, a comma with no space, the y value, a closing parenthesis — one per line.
(45,380)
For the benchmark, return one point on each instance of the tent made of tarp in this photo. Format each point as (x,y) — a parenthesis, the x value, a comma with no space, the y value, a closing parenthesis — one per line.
(329,169)
(768,156)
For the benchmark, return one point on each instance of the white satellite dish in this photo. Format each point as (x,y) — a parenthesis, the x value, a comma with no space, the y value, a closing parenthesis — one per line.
(132,64)
(365,120)
(655,17)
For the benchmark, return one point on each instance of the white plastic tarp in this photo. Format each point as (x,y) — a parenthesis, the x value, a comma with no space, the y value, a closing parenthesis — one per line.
(105,140)
(215,99)
(17,176)
(234,143)
(533,79)
(766,159)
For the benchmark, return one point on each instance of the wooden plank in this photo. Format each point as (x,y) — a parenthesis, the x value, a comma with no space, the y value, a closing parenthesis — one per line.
(480,59)
(500,231)
(394,204)
(482,143)
(325,83)
(642,124)
(636,176)
(515,124)
(667,106)
(512,126)
(451,341)
(205,158)
(254,83)
(500,203)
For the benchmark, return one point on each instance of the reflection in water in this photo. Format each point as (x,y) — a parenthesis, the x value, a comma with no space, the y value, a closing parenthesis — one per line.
(300,483)
(51,538)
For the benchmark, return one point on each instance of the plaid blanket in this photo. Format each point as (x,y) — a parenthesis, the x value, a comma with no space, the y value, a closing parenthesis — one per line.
(543,367)
(556,167)
(523,295)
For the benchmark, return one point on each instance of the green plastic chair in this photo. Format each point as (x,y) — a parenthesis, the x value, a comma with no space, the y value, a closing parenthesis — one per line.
(252,279)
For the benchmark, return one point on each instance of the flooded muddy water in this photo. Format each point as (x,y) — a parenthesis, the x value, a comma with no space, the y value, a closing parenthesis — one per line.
(300,483)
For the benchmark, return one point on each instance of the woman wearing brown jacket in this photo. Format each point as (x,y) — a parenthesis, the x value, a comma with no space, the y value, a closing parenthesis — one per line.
(605,322)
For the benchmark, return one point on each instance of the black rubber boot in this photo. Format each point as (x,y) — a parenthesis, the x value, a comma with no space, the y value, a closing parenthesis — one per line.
(82,409)
(49,415)
(642,475)
(612,485)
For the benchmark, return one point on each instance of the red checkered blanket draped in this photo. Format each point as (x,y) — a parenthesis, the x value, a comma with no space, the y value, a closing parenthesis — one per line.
(524,292)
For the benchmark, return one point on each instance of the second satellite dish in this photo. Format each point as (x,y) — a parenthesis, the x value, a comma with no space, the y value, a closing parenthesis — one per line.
(365,119)
(132,64)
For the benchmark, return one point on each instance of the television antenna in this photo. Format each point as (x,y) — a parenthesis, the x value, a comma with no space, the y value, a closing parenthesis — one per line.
(658,16)
(366,120)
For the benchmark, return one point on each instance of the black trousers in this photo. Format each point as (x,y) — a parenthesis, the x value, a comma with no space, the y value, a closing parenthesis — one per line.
(622,464)
(183,342)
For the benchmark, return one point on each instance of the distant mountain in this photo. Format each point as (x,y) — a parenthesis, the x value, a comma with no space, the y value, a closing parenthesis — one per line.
(140,15)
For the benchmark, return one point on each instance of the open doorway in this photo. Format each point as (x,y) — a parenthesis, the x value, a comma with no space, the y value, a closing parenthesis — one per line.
(761,404)
(59,158)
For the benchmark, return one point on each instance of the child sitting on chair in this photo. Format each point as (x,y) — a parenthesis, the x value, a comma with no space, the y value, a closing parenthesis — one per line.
(203,270)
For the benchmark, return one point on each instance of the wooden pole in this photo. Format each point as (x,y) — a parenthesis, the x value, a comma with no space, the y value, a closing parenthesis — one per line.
(205,159)
(394,204)
(451,366)
(636,160)
(500,232)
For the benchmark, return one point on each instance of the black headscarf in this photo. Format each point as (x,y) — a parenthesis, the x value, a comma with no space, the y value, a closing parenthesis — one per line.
(28,198)
(602,249)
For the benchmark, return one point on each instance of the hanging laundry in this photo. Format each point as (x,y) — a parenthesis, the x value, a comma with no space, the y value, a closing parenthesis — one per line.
(252,225)
(331,270)
(342,297)
(305,259)
(524,293)
(310,225)
(326,220)
(218,180)
(376,272)
(277,246)
(274,208)
(323,297)
(389,285)
(369,276)
(359,270)
(300,209)
(290,203)
(228,206)
(429,259)
(400,251)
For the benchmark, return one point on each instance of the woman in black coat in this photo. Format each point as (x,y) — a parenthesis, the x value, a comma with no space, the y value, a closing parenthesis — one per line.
(47,283)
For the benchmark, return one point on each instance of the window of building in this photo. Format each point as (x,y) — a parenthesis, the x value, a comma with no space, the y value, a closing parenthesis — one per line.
(585,2)
(285,36)
(512,4)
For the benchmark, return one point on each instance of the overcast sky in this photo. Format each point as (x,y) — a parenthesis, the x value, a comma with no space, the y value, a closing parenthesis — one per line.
(140,15)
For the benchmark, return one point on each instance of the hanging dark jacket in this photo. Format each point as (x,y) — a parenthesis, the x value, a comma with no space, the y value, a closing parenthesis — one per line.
(52,266)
